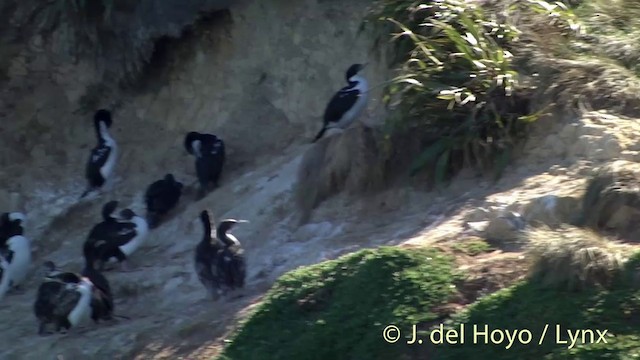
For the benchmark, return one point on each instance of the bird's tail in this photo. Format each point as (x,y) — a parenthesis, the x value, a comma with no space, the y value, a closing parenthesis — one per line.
(324,128)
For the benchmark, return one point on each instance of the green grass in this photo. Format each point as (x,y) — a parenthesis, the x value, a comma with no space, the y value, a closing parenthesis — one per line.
(338,309)
(473,247)
(530,306)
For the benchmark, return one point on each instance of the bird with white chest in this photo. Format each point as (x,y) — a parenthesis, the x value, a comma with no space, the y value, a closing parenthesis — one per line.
(115,238)
(347,104)
(15,260)
(102,161)
(63,299)
(61,291)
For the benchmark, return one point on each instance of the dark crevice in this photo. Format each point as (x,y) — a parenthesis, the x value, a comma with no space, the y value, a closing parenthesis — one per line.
(169,49)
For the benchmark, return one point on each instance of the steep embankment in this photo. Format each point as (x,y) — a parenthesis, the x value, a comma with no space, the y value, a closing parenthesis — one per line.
(258,76)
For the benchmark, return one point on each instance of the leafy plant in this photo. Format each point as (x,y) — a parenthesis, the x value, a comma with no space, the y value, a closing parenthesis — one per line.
(457,88)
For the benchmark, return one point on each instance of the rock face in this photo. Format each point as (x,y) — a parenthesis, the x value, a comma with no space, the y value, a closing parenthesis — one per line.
(258,75)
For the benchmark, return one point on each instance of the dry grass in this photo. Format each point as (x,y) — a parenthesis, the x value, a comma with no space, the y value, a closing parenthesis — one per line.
(348,161)
(615,26)
(573,258)
(612,198)
(566,84)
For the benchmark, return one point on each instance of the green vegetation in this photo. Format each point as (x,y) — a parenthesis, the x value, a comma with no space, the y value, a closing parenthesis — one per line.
(457,89)
(338,309)
(530,306)
(472,247)
(614,27)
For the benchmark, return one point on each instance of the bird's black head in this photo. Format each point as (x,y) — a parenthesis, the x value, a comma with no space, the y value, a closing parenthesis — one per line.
(17,217)
(12,223)
(127,214)
(189,139)
(12,217)
(354,70)
(169,178)
(49,268)
(228,224)
(108,209)
(104,116)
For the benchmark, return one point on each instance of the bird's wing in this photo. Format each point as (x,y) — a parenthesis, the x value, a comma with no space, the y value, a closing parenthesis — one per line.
(340,103)
(116,232)
(205,273)
(65,301)
(46,297)
(112,233)
(100,154)
(217,148)
(238,265)
(123,233)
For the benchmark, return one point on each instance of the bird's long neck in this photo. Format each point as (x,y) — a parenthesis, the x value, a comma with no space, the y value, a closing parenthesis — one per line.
(102,133)
(357,82)
(206,237)
(224,237)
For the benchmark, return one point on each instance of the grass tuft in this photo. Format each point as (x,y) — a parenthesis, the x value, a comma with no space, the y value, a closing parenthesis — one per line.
(573,258)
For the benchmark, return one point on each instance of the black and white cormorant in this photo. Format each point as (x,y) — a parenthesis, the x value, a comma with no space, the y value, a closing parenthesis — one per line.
(63,299)
(102,161)
(115,238)
(11,224)
(347,104)
(162,196)
(57,293)
(209,151)
(15,260)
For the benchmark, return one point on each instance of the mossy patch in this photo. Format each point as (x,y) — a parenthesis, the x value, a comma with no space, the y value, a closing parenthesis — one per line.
(338,309)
